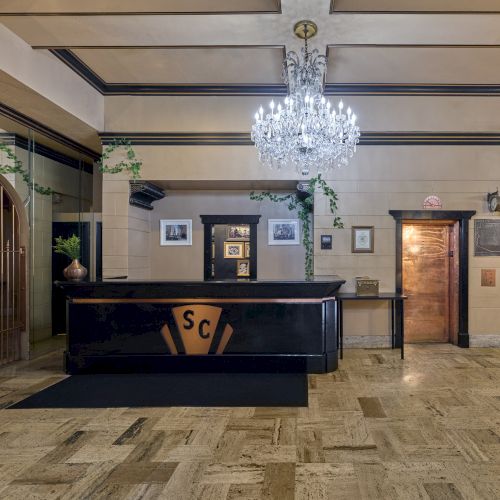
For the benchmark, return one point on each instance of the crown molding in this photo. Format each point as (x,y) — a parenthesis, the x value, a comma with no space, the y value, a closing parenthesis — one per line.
(20,141)
(367,138)
(279,89)
(35,125)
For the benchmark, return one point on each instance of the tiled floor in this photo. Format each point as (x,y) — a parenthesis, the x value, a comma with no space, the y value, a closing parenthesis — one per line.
(379,427)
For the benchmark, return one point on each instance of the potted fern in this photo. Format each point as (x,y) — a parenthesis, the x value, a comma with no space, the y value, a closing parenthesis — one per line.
(71,248)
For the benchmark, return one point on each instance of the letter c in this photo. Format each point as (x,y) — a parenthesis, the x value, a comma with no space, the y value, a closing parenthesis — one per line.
(201,333)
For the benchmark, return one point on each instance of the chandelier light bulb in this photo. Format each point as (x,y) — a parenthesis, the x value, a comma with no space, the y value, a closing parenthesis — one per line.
(261,111)
(349,111)
(341,105)
(256,117)
(271,105)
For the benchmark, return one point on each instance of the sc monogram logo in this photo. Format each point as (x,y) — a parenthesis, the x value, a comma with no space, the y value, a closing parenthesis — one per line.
(197,325)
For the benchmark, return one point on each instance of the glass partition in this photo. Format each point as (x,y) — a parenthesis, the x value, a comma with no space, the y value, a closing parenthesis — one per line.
(56,201)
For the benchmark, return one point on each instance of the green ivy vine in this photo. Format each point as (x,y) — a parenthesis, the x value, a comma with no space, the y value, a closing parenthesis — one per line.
(131,164)
(17,168)
(305,208)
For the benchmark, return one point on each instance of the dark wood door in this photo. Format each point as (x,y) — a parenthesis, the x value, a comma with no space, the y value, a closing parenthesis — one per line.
(426,282)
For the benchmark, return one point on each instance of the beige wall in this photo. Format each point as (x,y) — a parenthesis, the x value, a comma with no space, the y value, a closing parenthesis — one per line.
(273,262)
(399,178)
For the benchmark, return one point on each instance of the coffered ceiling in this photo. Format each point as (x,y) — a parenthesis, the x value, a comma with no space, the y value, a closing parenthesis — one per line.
(237,46)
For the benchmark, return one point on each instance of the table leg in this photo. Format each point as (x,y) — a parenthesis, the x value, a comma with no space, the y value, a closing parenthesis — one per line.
(341,329)
(393,333)
(402,329)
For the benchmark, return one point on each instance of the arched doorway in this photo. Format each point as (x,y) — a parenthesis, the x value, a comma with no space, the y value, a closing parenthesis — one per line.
(13,289)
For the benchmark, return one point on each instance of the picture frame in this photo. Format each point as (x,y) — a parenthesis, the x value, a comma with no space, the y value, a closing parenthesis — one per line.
(243,268)
(362,239)
(247,249)
(234,250)
(238,232)
(176,232)
(486,237)
(283,232)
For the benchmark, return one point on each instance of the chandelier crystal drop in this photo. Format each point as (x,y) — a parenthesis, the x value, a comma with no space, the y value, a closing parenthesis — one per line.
(306,130)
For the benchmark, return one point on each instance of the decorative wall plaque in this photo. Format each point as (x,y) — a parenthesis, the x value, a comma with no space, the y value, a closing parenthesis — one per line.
(487,237)
(432,202)
(488,277)
(326,242)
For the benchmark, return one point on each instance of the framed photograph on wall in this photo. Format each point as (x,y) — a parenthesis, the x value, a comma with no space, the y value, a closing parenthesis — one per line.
(283,232)
(176,232)
(234,250)
(237,232)
(362,239)
(243,268)
(247,249)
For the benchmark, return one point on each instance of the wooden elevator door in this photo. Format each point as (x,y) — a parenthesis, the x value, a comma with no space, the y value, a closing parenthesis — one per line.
(426,282)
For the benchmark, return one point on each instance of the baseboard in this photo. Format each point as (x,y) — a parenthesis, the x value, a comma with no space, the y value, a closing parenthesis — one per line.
(367,341)
(490,340)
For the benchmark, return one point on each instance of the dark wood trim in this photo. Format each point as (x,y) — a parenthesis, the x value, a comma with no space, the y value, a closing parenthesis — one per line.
(335,11)
(463,217)
(69,58)
(22,142)
(230,219)
(28,122)
(367,138)
(209,220)
(276,10)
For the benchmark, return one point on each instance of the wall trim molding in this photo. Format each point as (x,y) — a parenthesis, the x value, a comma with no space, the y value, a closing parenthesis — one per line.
(69,58)
(489,340)
(22,142)
(28,122)
(367,138)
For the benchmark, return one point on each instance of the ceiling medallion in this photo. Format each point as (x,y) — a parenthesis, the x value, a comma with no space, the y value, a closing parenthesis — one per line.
(306,130)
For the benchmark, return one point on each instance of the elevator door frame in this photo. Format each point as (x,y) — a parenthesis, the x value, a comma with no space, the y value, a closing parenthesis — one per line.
(462,217)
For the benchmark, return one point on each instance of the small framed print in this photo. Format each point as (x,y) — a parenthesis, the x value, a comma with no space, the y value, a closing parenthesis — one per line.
(362,239)
(326,241)
(176,232)
(283,232)
(247,249)
(234,250)
(243,268)
(237,232)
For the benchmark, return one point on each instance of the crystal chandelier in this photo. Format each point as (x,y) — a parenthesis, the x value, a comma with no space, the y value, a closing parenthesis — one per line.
(306,130)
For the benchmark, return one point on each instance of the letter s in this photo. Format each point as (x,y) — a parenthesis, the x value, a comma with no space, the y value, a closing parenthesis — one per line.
(190,323)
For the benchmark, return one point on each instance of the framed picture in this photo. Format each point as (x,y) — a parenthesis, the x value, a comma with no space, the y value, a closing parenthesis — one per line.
(362,239)
(234,250)
(247,249)
(283,232)
(238,232)
(176,232)
(243,268)
(487,237)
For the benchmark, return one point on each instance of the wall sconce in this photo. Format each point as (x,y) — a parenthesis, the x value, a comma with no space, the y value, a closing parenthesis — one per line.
(493,201)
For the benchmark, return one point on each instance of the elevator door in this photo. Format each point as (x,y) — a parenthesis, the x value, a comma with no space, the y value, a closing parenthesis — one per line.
(427,278)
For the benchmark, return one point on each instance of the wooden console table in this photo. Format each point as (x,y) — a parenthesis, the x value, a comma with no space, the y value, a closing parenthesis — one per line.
(397,316)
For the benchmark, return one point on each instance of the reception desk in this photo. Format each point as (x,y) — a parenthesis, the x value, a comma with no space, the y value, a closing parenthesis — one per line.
(238,326)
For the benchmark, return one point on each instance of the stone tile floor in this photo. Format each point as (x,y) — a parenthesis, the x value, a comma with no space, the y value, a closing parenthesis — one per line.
(378,428)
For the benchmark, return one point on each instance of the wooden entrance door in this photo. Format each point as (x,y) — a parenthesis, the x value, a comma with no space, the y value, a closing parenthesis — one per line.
(428,281)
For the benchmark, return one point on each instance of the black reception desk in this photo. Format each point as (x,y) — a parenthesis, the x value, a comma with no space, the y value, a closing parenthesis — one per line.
(233,326)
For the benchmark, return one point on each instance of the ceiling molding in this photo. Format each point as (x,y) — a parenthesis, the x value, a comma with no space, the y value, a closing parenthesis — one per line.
(20,141)
(367,138)
(423,11)
(206,89)
(276,10)
(35,125)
